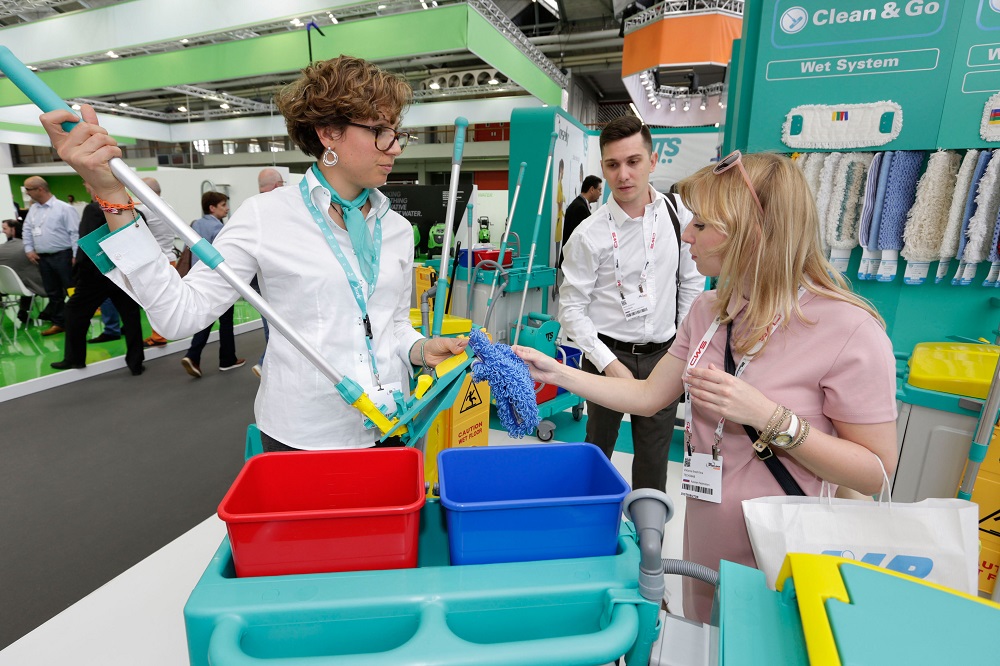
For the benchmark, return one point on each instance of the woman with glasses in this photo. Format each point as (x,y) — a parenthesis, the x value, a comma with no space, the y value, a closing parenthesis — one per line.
(782,362)
(330,256)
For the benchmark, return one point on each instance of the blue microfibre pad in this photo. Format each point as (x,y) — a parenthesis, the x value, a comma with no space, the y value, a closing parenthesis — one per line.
(970,201)
(900,193)
(510,382)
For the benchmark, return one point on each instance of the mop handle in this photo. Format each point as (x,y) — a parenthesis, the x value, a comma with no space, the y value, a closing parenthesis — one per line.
(46,100)
(456,166)
(534,236)
(469,263)
(506,234)
(981,441)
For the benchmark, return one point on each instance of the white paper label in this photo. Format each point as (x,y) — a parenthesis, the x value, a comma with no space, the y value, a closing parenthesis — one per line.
(701,477)
(840,259)
(959,272)
(991,279)
(969,275)
(942,271)
(916,272)
(887,266)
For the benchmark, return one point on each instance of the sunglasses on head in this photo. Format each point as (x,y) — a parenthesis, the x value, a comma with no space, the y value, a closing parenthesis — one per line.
(735,159)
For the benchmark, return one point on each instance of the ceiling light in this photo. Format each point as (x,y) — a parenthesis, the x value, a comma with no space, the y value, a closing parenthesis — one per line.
(296,21)
(716,124)
(213,98)
(182,109)
(434,3)
(687,105)
(381,7)
(722,104)
(111,54)
(493,81)
(333,19)
(32,68)
(223,106)
(122,104)
(657,105)
(423,4)
(434,85)
(185,40)
(673,105)
(644,76)
(75,107)
(636,112)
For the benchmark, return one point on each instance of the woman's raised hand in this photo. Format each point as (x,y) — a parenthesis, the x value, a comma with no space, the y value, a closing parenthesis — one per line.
(87,148)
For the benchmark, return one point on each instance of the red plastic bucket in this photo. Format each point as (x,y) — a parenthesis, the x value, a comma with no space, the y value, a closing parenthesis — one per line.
(322,511)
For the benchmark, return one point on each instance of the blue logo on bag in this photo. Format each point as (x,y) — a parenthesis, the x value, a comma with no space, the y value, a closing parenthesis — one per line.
(911,565)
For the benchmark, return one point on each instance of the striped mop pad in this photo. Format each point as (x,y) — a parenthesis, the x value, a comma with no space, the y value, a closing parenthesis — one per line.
(827,179)
(983,221)
(867,213)
(844,213)
(970,210)
(993,279)
(900,192)
(926,221)
(873,233)
(956,212)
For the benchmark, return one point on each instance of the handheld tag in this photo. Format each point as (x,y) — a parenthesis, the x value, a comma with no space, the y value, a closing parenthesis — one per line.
(635,305)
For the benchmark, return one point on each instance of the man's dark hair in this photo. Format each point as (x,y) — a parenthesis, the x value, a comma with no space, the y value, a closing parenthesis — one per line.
(590,182)
(16,225)
(623,128)
(209,199)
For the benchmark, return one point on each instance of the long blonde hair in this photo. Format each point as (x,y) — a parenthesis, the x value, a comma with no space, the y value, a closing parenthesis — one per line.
(765,258)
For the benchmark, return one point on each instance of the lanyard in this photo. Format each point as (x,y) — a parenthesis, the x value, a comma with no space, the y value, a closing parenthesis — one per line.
(359,295)
(740,368)
(619,278)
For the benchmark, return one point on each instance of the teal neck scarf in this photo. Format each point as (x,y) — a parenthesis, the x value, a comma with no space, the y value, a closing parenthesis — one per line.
(357,229)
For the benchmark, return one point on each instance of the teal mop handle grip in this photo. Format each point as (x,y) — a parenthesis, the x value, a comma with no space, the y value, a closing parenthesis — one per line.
(33,87)
(461,124)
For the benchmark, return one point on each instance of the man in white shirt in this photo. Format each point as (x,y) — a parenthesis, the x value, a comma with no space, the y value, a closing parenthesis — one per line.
(51,230)
(627,283)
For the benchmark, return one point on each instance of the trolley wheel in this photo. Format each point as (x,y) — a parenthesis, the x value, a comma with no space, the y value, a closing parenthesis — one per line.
(545,430)
(578,412)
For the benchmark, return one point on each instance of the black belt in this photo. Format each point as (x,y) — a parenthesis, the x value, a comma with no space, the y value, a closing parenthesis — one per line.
(634,347)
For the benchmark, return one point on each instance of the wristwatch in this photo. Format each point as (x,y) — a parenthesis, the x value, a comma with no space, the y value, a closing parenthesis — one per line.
(784,438)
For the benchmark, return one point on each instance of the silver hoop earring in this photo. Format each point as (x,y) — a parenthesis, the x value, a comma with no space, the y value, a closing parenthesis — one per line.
(330,157)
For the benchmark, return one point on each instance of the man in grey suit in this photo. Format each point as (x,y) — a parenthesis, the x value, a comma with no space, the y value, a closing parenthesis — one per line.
(12,254)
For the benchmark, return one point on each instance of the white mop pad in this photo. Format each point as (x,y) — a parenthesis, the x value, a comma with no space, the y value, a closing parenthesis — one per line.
(926,220)
(827,178)
(839,126)
(956,212)
(989,126)
(812,169)
(844,213)
(983,221)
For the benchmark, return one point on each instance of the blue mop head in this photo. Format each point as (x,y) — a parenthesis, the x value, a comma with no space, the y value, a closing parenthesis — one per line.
(510,382)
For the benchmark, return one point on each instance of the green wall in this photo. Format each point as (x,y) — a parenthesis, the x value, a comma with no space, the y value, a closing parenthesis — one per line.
(61,187)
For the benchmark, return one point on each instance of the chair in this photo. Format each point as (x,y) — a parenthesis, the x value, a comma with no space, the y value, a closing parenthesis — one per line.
(12,288)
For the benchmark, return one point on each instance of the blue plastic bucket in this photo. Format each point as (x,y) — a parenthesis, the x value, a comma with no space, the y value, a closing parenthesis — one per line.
(530,502)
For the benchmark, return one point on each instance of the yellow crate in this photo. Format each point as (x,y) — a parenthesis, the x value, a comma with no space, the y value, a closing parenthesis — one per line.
(953,367)
(467,423)
(452,326)
(422,276)
(989,562)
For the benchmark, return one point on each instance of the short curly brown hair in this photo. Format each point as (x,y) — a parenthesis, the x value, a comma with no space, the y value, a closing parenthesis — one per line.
(332,92)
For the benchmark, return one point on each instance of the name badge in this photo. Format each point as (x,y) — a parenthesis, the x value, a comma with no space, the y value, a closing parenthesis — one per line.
(701,477)
(635,304)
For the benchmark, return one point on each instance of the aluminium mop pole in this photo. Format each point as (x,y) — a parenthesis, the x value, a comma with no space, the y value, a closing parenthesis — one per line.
(45,99)
(503,241)
(534,236)
(469,263)
(456,166)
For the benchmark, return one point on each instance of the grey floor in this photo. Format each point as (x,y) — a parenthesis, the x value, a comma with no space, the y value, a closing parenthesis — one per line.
(99,474)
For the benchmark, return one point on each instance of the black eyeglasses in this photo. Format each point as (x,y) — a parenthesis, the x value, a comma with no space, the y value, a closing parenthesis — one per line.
(385,136)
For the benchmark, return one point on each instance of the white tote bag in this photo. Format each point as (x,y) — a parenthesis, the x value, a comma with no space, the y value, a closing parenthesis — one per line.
(935,539)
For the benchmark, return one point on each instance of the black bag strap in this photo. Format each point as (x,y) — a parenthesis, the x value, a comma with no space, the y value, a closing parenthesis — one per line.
(672,210)
(777,469)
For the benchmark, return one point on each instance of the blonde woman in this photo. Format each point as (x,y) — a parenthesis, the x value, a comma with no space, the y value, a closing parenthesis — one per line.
(815,370)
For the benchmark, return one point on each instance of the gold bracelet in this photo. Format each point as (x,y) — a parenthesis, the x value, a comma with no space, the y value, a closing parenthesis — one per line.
(771,429)
(800,436)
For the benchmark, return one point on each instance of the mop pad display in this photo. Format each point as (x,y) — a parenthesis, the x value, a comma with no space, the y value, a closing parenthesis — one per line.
(839,126)
(900,192)
(510,382)
(983,221)
(970,210)
(867,213)
(811,170)
(989,126)
(956,213)
(871,243)
(993,279)
(844,213)
(926,221)
(826,182)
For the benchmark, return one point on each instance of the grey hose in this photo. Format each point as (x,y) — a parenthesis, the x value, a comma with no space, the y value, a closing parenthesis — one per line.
(505,279)
(691,569)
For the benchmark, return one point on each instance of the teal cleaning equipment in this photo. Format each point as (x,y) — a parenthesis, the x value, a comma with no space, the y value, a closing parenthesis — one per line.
(461,124)
(484,229)
(503,244)
(538,331)
(534,233)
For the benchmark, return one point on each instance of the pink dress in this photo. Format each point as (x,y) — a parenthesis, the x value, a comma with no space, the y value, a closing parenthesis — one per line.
(839,367)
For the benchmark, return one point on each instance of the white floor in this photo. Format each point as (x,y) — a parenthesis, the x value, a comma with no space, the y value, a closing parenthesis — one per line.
(137,618)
